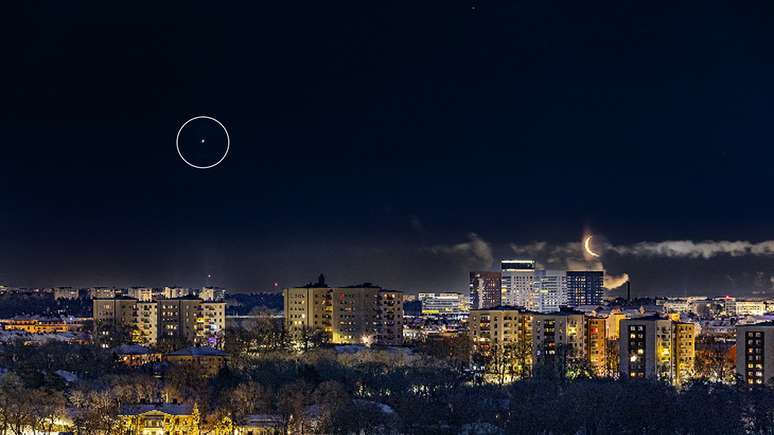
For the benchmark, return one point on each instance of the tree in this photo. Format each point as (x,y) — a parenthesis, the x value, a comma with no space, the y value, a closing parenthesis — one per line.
(611,365)
(712,360)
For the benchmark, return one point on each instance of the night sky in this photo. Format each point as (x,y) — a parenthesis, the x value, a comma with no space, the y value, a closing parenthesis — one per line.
(402,143)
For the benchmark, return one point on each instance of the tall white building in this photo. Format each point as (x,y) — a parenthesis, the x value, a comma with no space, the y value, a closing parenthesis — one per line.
(549,291)
(518,277)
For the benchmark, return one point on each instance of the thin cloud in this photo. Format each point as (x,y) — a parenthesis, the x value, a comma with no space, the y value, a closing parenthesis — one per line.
(476,252)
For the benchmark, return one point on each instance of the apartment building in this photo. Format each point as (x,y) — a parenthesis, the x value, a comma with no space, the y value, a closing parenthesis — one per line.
(361,314)
(181,320)
(755,353)
(654,347)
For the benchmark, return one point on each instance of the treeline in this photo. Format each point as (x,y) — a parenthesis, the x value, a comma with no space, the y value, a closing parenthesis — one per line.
(429,388)
(42,304)
(371,391)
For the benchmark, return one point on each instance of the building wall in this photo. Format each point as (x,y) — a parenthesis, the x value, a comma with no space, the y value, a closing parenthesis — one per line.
(585,287)
(307,309)
(518,278)
(549,291)
(347,315)
(552,333)
(755,353)
(656,349)
(439,303)
(684,351)
(391,318)
(596,342)
(485,289)
(184,319)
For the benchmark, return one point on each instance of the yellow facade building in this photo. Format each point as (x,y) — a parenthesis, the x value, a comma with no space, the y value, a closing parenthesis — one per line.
(160,419)
(362,314)
(181,320)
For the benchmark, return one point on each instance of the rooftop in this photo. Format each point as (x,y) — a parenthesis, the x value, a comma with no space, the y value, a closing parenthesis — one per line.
(167,408)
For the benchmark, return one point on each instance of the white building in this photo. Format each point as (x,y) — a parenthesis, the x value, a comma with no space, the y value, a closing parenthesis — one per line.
(442,303)
(518,278)
(745,308)
(549,291)
(677,306)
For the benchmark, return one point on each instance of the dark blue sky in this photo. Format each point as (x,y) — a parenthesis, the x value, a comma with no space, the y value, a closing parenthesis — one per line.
(370,139)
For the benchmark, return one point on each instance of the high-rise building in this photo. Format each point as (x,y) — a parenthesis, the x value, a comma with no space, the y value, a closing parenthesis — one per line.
(654,347)
(596,343)
(485,289)
(442,303)
(361,314)
(180,320)
(504,333)
(585,287)
(518,278)
(755,353)
(560,335)
(549,291)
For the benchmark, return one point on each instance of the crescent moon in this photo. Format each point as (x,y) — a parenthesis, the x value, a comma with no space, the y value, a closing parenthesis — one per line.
(587,247)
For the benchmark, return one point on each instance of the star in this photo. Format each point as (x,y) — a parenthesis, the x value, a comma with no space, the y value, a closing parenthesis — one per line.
(202,140)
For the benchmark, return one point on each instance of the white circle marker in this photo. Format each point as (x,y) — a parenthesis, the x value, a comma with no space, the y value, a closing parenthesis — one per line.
(177,142)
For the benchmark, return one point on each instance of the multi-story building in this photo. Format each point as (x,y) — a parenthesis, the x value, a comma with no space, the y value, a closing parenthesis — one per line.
(114,314)
(740,308)
(596,343)
(175,292)
(212,293)
(504,333)
(485,289)
(517,278)
(755,353)
(39,325)
(389,328)
(442,303)
(361,314)
(684,345)
(181,320)
(143,294)
(549,291)
(585,287)
(160,418)
(558,335)
(102,292)
(189,319)
(657,348)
